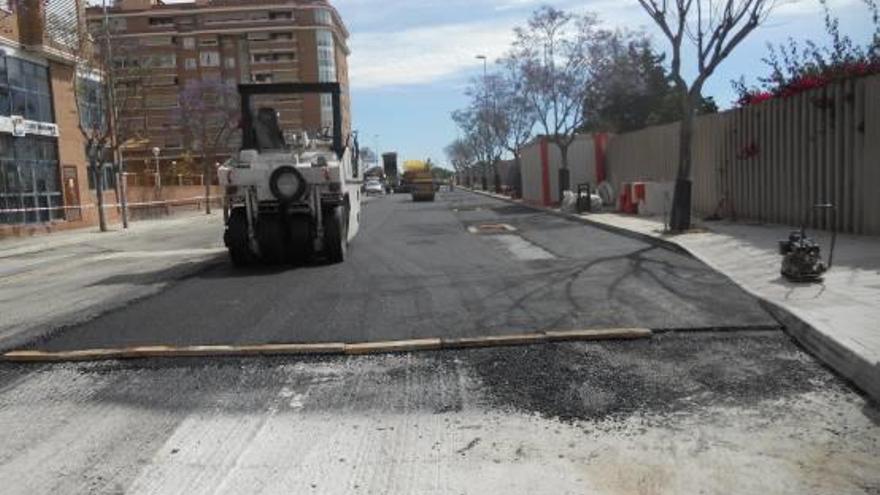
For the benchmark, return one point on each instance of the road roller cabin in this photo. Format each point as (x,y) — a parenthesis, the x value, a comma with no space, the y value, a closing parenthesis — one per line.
(290,198)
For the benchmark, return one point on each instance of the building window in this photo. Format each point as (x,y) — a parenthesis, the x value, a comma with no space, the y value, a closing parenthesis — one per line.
(109,176)
(263,77)
(29,179)
(165,61)
(172,142)
(326,56)
(234,17)
(161,21)
(275,57)
(190,64)
(230,62)
(91,103)
(189,43)
(281,16)
(158,41)
(126,63)
(161,101)
(209,59)
(24,90)
(323,17)
(281,36)
(326,72)
(155,80)
(261,36)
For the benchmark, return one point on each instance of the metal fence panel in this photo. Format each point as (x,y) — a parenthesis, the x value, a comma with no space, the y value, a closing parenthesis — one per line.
(771,162)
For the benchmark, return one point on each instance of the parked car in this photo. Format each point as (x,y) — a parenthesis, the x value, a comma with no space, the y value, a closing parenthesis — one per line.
(374,187)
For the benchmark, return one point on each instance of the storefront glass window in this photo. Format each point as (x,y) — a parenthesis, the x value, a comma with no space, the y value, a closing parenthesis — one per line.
(29,179)
(24,89)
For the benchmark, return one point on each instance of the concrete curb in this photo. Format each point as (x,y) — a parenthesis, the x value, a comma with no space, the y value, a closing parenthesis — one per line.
(326,348)
(843,360)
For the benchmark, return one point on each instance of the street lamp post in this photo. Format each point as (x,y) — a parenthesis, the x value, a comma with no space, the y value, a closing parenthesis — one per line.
(156,152)
(484,59)
(484,182)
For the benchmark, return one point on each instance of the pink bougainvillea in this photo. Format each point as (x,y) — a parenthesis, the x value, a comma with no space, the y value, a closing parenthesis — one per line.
(798,67)
(810,81)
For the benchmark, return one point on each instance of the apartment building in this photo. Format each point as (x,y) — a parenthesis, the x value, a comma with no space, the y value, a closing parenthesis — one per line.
(43,168)
(163,49)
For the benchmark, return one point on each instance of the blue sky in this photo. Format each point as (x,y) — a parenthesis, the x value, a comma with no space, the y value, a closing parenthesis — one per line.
(411,59)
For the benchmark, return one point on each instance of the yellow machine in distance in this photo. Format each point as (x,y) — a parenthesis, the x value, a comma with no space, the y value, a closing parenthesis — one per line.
(420,180)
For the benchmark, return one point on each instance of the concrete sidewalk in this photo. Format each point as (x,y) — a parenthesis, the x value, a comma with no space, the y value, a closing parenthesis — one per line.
(838,319)
(52,281)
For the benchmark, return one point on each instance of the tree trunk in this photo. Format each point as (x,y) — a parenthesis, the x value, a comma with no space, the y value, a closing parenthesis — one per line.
(680,219)
(496,177)
(517,175)
(564,173)
(99,192)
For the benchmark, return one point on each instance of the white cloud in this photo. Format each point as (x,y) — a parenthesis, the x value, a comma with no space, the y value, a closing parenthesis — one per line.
(435,52)
(425,54)
(422,55)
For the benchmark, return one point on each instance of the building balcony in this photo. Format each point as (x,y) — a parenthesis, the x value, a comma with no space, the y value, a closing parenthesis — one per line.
(50,27)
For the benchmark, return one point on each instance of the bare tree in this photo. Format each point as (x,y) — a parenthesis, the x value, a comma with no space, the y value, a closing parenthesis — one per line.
(552,52)
(107,83)
(207,112)
(714,28)
(460,155)
(480,123)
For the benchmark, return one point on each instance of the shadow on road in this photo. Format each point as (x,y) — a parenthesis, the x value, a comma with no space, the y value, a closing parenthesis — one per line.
(226,269)
(175,272)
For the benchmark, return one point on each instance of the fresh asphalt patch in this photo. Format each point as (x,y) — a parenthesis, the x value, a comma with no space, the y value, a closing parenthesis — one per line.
(416,272)
(664,376)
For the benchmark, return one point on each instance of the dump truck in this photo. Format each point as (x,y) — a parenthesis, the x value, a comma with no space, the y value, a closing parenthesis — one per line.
(419,180)
(389,165)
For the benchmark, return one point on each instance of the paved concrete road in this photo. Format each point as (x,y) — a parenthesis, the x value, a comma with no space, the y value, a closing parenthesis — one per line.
(727,411)
(419,270)
(70,277)
(722,412)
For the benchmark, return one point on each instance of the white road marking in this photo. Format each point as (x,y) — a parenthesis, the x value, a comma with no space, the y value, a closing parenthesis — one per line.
(523,249)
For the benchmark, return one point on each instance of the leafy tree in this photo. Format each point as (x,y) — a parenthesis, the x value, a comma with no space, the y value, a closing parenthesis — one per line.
(631,88)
